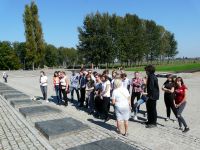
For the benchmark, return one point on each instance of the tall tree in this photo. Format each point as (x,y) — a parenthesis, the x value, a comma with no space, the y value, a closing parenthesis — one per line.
(34,36)
(30,38)
(38,34)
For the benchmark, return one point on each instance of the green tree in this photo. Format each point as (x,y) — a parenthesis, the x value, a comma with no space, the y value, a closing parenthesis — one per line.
(34,36)
(8,57)
(30,38)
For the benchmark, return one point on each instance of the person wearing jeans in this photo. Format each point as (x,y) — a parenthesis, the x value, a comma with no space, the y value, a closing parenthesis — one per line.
(74,86)
(180,102)
(56,82)
(43,85)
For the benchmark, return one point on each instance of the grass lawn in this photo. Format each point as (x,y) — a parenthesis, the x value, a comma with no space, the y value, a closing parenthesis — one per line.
(171,67)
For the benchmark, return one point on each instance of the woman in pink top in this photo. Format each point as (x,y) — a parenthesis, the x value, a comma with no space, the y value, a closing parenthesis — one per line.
(136,88)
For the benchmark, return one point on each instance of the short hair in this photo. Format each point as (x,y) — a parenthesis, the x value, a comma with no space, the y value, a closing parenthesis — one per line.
(150,68)
(43,72)
(105,76)
(117,83)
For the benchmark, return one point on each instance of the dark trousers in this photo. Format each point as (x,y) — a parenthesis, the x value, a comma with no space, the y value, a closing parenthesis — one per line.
(98,105)
(77,93)
(64,93)
(151,111)
(133,96)
(169,103)
(44,92)
(82,96)
(5,79)
(105,107)
(181,120)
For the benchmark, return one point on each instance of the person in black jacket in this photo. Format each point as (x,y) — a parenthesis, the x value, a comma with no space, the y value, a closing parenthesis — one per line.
(153,96)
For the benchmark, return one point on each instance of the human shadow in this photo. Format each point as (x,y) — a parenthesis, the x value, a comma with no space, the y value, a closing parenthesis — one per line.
(103,124)
(53,99)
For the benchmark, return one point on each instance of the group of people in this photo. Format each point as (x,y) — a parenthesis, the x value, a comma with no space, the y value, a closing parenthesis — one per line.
(97,92)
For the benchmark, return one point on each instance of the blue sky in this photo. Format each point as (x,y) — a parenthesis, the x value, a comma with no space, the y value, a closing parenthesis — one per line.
(60,19)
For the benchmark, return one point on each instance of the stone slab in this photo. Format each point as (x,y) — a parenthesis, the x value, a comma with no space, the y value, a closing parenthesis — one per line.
(7,90)
(38,111)
(16,96)
(106,144)
(10,93)
(53,129)
(25,102)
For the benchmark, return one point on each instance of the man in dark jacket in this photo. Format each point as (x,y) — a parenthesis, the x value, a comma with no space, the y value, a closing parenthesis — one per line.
(153,96)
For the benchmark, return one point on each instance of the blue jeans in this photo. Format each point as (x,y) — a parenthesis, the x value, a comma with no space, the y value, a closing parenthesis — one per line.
(44,92)
(57,89)
(91,102)
(142,100)
(77,93)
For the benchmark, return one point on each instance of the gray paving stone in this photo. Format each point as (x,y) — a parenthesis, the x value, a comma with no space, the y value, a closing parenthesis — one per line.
(10,97)
(17,103)
(38,111)
(7,90)
(57,128)
(106,144)
(10,93)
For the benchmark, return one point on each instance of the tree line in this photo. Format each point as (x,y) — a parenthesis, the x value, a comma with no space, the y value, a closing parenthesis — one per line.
(14,56)
(128,40)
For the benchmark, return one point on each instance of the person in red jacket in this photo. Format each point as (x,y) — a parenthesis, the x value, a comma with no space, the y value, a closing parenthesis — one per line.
(180,102)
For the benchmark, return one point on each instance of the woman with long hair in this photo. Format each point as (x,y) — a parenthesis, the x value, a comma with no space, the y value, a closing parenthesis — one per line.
(168,88)
(180,102)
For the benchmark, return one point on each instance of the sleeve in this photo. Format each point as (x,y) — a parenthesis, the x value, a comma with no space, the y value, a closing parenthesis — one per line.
(150,86)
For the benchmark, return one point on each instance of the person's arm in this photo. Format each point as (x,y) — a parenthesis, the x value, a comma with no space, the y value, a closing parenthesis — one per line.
(67,84)
(184,99)
(150,86)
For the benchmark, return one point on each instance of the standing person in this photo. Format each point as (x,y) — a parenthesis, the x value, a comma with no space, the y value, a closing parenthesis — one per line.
(64,87)
(90,93)
(56,83)
(142,100)
(125,81)
(43,85)
(106,96)
(5,77)
(153,96)
(74,85)
(168,88)
(98,100)
(121,101)
(60,88)
(180,102)
(82,83)
(136,88)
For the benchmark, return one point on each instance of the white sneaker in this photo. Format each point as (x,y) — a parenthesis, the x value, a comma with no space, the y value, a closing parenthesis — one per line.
(135,118)
(47,101)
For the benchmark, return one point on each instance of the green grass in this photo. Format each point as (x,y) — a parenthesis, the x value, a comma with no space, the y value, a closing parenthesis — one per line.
(171,67)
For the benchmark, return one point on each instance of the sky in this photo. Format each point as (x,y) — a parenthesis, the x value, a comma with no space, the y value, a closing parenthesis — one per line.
(60,19)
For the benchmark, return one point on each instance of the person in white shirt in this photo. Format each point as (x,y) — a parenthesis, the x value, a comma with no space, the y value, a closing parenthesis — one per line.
(121,101)
(64,87)
(74,85)
(5,77)
(106,85)
(125,81)
(43,85)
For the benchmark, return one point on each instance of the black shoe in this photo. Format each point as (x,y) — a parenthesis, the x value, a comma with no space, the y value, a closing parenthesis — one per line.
(151,126)
(186,130)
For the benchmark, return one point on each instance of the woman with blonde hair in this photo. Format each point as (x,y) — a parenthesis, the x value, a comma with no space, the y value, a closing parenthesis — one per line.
(121,101)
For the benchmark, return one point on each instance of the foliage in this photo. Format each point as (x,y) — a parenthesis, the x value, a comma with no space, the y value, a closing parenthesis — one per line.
(105,38)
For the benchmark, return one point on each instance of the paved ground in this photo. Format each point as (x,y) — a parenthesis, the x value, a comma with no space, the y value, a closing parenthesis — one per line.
(165,136)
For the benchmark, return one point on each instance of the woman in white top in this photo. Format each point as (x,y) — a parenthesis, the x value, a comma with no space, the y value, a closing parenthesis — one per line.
(64,87)
(106,85)
(121,101)
(43,85)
